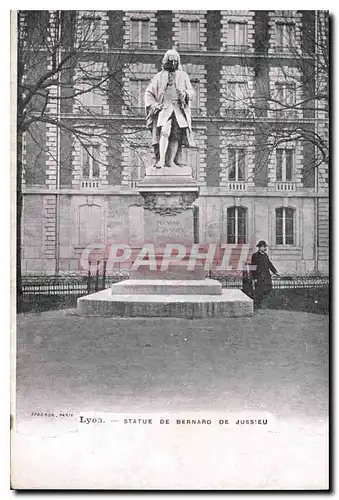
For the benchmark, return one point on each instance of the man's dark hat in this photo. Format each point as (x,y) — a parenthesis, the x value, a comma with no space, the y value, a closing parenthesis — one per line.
(262,243)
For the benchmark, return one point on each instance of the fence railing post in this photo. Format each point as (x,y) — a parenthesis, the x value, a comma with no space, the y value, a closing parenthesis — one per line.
(89,279)
(104,275)
(97,277)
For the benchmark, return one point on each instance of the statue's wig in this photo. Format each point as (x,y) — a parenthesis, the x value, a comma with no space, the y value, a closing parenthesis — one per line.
(171,52)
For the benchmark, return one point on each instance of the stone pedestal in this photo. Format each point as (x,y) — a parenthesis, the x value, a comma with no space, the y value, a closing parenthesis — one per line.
(169,194)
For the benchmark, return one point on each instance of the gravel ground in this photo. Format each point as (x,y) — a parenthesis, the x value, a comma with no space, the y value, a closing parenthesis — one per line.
(276,361)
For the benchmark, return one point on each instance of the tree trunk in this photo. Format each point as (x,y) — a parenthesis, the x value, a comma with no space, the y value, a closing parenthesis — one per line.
(19,198)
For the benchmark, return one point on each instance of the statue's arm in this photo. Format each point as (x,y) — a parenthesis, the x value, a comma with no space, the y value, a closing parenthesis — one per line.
(152,105)
(150,93)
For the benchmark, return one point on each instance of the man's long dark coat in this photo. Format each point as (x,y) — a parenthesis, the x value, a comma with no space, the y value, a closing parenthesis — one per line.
(262,273)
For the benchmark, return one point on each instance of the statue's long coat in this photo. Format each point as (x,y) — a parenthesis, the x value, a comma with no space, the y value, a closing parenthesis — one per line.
(155,93)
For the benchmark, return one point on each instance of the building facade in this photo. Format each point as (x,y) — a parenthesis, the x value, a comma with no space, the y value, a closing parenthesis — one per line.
(256,158)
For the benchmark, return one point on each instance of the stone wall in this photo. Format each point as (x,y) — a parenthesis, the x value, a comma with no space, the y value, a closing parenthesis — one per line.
(60,216)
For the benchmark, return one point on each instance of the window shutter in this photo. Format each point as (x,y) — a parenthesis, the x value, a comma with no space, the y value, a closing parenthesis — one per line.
(242,229)
(289,164)
(241,164)
(290,33)
(195,103)
(184,32)
(95,162)
(85,163)
(242,40)
(231,225)
(280,35)
(279,226)
(135,32)
(279,164)
(194,33)
(145,34)
(231,164)
(289,226)
(231,34)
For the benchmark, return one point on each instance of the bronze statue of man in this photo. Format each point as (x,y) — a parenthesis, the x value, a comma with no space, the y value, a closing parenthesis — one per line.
(167,103)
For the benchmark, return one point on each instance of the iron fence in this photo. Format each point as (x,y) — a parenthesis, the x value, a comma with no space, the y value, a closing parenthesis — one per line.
(93,282)
(283,282)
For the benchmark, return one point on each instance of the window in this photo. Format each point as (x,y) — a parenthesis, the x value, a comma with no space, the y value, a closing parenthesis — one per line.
(137,94)
(237,35)
(89,99)
(91,28)
(189,35)
(284,164)
(236,225)
(140,33)
(284,226)
(286,96)
(285,37)
(90,161)
(236,164)
(237,94)
(195,103)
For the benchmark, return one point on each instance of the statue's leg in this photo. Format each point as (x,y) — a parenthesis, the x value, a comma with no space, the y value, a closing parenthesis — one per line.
(163,143)
(174,142)
(179,158)
(156,152)
(173,145)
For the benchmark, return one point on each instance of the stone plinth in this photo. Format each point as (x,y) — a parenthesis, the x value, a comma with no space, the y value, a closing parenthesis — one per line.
(230,304)
(175,271)
(167,287)
(178,177)
(173,289)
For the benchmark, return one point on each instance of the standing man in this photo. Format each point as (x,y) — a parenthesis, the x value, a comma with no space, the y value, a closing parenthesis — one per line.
(261,267)
(167,103)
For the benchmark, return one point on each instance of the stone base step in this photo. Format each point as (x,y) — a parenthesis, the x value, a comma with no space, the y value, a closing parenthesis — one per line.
(175,271)
(168,287)
(231,303)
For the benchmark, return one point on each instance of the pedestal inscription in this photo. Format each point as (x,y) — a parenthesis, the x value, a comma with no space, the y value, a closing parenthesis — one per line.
(163,229)
(168,218)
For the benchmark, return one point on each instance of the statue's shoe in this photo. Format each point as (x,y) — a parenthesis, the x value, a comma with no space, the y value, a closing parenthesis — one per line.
(160,165)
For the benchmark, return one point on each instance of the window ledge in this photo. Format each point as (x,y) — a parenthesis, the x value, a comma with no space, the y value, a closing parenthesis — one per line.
(285,248)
